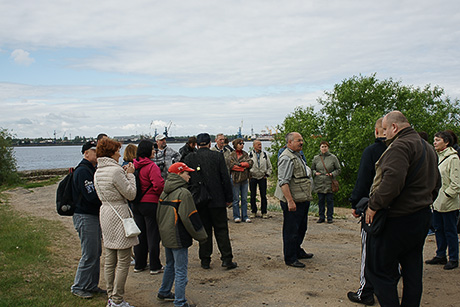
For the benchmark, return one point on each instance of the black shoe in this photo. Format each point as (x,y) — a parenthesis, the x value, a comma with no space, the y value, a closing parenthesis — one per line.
(320,221)
(229,265)
(352,296)
(205,265)
(330,221)
(167,298)
(98,290)
(437,260)
(296,264)
(305,256)
(451,265)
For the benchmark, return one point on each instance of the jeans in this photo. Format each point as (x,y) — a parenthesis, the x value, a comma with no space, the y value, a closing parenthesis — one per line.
(263,194)
(117,262)
(176,269)
(240,188)
(445,225)
(89,231)
(399,245)
(294,230)
(329,197)
(145,215)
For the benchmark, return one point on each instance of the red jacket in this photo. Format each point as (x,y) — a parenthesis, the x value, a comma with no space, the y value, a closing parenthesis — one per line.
(149,175)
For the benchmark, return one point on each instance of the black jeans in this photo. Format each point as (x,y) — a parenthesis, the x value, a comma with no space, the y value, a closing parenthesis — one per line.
(145,215)
(400,244)
(294,230)
(263,194)
(215,219)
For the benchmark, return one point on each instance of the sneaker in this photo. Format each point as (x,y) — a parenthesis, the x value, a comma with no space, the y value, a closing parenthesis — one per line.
(248,220)
(156,272)
(109,303)
(167,298)
(451,265)
(253,215)
(237,220)
(122,304)
(265,216)
(437,260)
(139,270)
(82,294)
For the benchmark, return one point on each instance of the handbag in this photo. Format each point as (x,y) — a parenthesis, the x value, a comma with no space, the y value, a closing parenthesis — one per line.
(129,224)
(334,183)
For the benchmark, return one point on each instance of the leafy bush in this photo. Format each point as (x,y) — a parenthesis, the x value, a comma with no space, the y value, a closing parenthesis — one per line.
(8,168)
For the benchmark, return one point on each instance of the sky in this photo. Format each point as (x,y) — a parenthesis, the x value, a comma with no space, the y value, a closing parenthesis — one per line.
(129,67)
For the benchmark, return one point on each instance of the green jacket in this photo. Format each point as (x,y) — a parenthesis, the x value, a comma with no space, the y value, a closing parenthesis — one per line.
(449,167)
(322,183)
(177,217)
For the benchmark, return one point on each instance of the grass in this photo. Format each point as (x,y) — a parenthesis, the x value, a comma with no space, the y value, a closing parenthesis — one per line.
(35,269)
(31,184)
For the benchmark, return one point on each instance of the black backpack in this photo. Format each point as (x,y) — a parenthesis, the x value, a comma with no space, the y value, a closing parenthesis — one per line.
(64,195)
(139,193)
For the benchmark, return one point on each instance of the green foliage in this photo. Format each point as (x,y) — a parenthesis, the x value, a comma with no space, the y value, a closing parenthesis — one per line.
(348,115)
(8,169)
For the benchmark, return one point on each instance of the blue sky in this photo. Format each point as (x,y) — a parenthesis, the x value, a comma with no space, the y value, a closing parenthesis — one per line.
(127,67)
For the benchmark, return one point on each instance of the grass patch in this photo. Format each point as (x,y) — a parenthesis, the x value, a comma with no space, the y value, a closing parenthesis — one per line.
(30,184)
(33,270)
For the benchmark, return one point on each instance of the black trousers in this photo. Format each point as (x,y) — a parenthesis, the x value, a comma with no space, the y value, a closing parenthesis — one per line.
(262,183)
(294,229)
(215,219)
(145,215)
(400,244)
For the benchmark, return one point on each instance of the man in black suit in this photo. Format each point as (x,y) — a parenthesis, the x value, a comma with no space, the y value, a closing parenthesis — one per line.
(212,175)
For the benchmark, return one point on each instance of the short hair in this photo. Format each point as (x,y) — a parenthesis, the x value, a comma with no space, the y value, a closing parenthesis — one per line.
(289,137)
(423,135)
(236,142)
(130,153)
(324,143)
(226,141)
(191,140)
(256,140)
(446,137)
(219,134)
(107,147)
(379,123)
(454,137)
(101,136)
(396,117)
(144,149)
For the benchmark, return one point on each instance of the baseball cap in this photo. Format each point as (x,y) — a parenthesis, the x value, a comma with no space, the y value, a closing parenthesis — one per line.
(88,145)
(160,137)
(179,167)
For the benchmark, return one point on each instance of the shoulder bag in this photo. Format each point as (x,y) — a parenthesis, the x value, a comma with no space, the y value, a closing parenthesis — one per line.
(334,183)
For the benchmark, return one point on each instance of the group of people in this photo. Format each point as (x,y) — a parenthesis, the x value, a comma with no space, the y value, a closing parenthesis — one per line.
(186,195)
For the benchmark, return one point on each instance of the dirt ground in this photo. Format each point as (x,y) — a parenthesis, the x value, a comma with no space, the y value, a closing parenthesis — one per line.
(262,278)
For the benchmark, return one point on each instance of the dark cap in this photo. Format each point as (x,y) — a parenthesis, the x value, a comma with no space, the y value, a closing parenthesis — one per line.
(88,145)
(203,139)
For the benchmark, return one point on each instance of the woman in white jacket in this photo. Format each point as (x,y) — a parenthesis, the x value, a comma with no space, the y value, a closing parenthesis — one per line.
(114,186)
(447,203)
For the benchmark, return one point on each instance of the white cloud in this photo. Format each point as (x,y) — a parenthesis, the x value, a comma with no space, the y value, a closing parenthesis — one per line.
(22,57)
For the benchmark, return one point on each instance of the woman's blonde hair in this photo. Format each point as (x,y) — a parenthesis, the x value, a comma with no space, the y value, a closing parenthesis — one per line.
(130,153)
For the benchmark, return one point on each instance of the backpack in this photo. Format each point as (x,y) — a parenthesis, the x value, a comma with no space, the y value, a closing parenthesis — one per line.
(64,196)
(139,193)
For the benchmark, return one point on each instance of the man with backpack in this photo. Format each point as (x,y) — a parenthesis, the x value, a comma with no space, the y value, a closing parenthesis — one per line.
(86,222)
(260,171)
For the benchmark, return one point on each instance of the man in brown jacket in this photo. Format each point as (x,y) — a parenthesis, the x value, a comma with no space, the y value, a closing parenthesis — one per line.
(407,181)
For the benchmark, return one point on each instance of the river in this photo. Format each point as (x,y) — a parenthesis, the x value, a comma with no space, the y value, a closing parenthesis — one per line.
(50,157)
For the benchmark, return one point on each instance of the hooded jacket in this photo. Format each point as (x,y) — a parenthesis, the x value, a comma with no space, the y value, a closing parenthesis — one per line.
(449,167)
(149,176)
(177,217)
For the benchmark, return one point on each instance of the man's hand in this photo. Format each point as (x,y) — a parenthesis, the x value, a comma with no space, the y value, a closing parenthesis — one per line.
(292,206)
(370,215)
(353,211)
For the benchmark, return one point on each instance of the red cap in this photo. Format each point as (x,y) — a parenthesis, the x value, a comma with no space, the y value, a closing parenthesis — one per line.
(179,167)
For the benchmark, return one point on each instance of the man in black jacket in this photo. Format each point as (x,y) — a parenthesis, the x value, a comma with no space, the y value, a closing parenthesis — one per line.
(86,222)
(211,170)
(366,173)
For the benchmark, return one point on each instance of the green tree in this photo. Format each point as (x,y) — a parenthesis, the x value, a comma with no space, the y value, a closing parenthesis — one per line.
(349,112)
(8,168)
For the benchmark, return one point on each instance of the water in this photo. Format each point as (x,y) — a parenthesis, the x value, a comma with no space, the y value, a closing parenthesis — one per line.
(50,157)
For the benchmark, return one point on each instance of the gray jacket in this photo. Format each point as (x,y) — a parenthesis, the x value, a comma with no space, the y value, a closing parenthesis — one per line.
(262,166)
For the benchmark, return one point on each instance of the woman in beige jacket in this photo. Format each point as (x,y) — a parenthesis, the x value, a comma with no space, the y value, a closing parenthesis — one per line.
(447,203)
(114,186)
